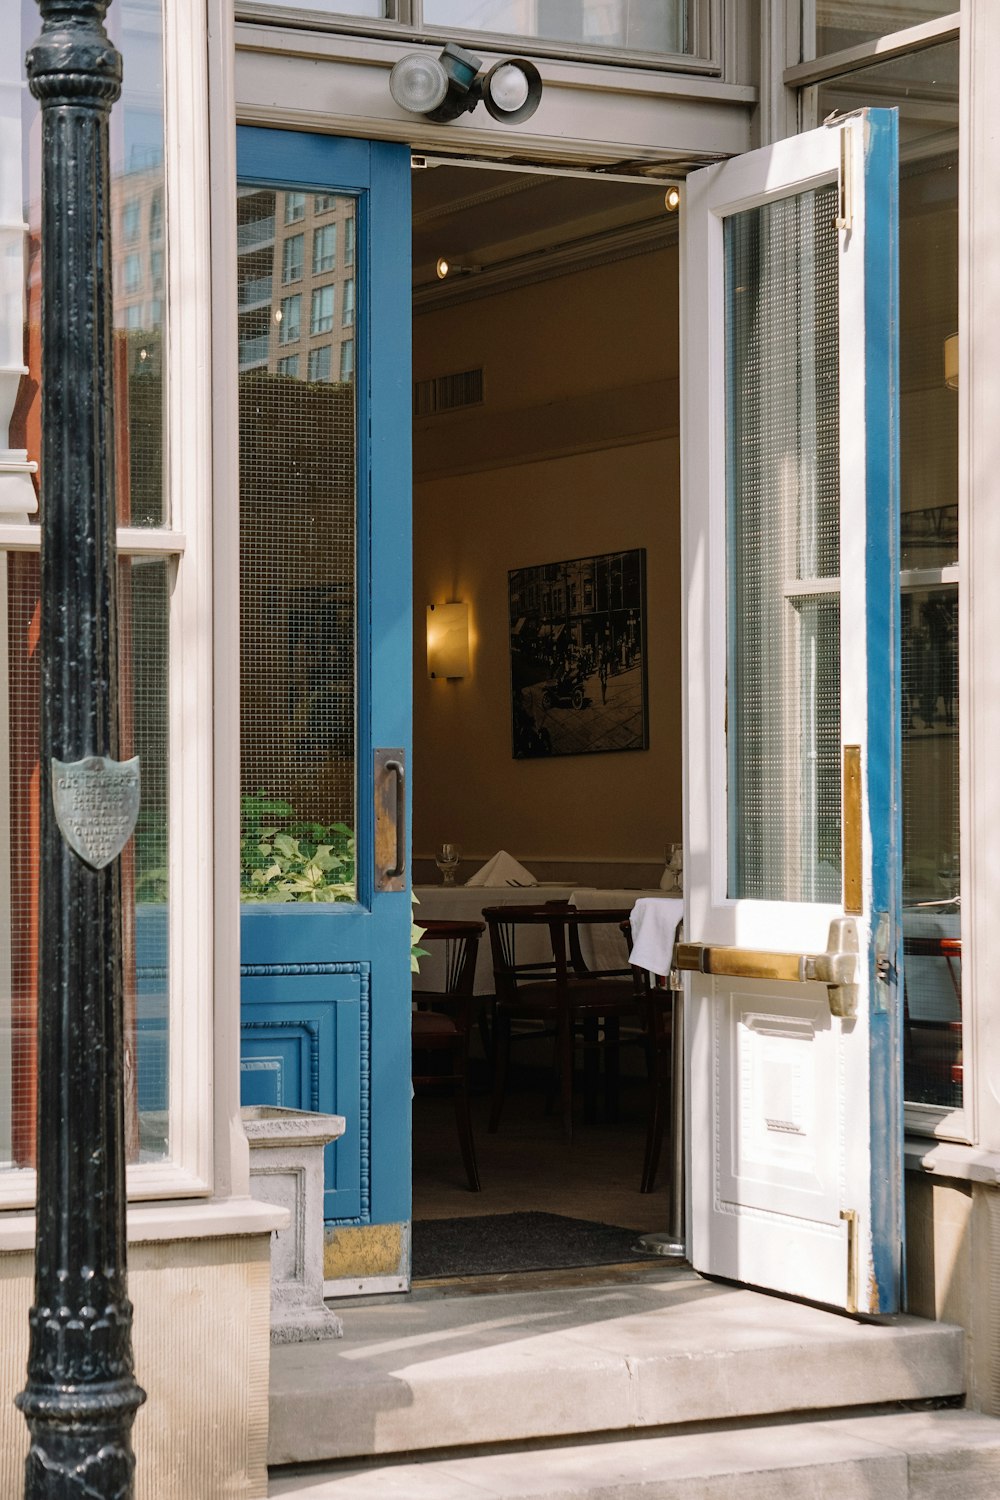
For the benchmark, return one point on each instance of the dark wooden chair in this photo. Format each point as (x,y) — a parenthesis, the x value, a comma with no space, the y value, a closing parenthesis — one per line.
(577,1002)
(659,1004)
(441,1023)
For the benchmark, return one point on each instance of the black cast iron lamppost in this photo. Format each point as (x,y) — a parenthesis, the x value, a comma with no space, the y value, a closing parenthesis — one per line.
(81,1396)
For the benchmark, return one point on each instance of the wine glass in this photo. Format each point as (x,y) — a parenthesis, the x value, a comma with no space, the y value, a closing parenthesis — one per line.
(446,859)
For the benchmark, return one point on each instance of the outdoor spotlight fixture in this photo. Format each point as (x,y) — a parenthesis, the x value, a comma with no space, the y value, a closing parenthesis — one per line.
(442,88)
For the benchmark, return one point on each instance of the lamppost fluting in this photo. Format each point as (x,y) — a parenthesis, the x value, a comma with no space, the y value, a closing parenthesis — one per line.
(81,1395)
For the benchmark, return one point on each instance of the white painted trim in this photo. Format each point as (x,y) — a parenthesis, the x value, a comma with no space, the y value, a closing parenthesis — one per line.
(165,1222)
(951,1159)
(979,544)
(131,541)
(189,508)
(913,39)
(232,1153)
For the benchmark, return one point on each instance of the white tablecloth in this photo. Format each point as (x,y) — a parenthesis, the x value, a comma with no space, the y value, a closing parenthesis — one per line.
(603,947)
(465,903)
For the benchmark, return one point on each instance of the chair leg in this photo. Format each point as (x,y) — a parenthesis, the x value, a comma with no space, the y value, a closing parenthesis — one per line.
(659,1085)
(486,1031)
(464,1121)
(612,1033)
(501,1060)
(591,1068)
(564,1042)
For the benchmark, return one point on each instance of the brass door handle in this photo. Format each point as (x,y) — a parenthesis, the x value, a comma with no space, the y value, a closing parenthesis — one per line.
(390,820)
(837,968)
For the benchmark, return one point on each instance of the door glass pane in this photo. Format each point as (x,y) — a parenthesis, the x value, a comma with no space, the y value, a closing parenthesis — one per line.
(783,545)
(932,969)
(831,25)
(639,25)
(924,88)
(297,560)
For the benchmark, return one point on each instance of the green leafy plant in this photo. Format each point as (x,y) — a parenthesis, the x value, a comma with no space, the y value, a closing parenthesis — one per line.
(287,858)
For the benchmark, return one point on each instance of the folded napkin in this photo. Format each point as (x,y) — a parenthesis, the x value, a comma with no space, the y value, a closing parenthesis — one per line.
(654,922)
(502,869)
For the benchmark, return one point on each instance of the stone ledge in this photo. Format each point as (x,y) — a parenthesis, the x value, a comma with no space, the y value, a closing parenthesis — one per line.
(196,1220)
(561,1363)
(897,1456)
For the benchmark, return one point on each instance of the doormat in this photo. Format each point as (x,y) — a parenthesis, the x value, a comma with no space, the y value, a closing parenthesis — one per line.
(495,1244)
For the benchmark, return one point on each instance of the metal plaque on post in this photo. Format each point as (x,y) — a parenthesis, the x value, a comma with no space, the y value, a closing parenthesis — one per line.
(97,803)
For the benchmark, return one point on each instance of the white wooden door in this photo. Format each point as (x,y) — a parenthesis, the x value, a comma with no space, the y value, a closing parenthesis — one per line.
(790,540)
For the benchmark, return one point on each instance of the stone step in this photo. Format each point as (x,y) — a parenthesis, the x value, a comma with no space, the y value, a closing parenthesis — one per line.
(451,1372)
(923,1455)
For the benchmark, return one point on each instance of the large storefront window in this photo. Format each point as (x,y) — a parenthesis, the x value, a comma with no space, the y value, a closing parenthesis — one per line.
(637,25)
(139,239)
(658,27)
(924,87)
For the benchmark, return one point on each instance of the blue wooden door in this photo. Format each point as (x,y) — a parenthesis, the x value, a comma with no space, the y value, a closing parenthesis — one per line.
(324,338)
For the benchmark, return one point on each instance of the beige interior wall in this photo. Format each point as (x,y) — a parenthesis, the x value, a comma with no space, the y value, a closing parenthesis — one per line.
(202,1347)
(574,452)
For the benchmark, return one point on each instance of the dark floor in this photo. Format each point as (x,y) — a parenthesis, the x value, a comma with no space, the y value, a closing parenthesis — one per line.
(528,1165)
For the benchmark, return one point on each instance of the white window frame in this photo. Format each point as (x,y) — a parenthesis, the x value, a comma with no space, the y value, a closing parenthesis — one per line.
(406,19)
(321,322)
(186,544)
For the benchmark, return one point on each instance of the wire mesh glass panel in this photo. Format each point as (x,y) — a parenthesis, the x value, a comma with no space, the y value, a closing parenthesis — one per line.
(297,563)
(143,706)
(783,546)
(639,25)
(932,969)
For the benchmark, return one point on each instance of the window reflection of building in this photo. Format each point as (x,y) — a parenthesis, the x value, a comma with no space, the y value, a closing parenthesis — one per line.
(274,231)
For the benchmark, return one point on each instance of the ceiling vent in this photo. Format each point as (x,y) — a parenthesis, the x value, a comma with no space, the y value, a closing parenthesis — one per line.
(447,393)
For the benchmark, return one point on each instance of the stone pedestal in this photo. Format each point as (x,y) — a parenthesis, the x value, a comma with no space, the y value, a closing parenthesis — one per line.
(286,1169)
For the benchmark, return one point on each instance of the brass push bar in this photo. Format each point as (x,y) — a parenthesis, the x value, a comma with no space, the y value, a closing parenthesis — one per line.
(837,968)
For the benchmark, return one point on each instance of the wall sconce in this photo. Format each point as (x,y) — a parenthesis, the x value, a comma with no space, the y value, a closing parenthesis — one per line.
(442,88)
(951,362)
(447,640)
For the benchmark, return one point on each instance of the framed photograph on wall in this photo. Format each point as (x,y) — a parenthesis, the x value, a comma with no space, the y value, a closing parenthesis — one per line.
(578,656)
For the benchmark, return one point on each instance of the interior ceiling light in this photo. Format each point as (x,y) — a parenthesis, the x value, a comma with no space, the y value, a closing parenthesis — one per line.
(446,267)
(442,88)
(672,199)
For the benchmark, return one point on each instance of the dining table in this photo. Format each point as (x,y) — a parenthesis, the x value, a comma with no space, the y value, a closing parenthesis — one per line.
(602,947)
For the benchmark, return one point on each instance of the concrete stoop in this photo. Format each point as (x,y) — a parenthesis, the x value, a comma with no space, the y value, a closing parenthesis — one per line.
(928,1455)
(574,1392)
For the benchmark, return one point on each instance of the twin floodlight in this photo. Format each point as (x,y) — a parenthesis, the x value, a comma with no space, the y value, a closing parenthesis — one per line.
(442,88)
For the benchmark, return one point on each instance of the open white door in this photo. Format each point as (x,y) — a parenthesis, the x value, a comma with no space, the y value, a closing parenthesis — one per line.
(790,504)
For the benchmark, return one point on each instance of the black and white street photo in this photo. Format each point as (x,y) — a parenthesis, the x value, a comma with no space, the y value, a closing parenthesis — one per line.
(578,655)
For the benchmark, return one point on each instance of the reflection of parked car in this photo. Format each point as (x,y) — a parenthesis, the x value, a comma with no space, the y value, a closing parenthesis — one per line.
(565,691)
